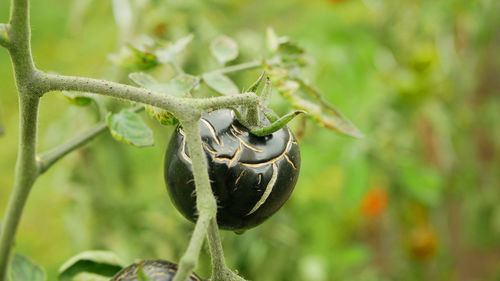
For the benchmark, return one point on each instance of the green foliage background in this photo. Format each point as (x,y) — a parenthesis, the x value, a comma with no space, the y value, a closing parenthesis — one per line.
(419,78)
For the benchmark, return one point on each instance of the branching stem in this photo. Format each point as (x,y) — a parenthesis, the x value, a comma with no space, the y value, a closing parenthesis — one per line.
(32,84)
(25,175)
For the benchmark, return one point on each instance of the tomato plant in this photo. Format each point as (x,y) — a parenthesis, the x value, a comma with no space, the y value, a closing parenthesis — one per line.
(251,156)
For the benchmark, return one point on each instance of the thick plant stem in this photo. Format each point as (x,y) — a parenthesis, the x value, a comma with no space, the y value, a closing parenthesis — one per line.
(20,43)
(25,175)
(205,200)
(181,107)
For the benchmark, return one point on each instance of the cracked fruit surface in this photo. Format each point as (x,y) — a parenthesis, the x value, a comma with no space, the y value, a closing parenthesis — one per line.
(251,176)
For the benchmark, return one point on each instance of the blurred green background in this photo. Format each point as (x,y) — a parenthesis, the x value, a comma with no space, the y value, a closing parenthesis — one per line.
(417,199)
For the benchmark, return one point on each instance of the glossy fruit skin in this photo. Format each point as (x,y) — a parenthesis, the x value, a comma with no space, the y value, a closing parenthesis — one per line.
(241,169)
(156,270)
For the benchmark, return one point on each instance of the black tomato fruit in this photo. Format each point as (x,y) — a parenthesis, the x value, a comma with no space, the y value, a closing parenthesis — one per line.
(251,176)
(156,270)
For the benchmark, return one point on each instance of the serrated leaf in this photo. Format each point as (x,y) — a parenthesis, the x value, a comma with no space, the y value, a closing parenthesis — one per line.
(129,128)
(168,53)
(224,49)
(79,99)
(161,115)
(24,269)
(220,83)
(101,263)
(321,112)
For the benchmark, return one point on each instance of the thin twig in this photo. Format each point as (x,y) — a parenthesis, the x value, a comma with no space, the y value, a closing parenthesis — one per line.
(238,67)
(49,158)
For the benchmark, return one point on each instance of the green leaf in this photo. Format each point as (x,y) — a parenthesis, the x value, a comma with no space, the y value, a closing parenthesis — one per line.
(122,12)
(265,95)
(253,88)
(178,86)
(134,59)
(290,50)
(24,269)
(161,115)
(273,41)
(224,49)
(220,83)
(100,263)
(182,84)
(129,128)
(79,99)
(321,111)
(85,276)
(423,183)
(168,53)
(147,81)
(141,276)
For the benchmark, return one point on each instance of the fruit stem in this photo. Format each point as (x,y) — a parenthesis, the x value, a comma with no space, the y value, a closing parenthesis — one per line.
(205,200)
(220,271)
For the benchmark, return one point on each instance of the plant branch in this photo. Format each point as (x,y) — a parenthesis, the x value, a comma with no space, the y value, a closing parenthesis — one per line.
(182,108)
(49,158)
(238,67)
(220,271)
(205,200)
(20,43)
(25,175)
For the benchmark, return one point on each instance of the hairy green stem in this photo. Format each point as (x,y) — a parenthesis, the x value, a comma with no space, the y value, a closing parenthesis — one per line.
(32,84)
(20,43)
(252,116)
(49,158)
(205,200)
(220,271)
(25,175)
(180,107)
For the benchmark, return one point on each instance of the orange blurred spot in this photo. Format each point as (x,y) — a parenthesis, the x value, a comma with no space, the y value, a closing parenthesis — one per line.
(422,243)
(374,203)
